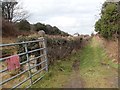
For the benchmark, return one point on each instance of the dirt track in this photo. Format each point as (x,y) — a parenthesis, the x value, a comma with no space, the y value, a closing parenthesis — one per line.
(75,80)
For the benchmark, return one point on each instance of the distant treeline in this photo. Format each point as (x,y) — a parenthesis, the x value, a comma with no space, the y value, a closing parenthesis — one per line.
(15,29)
(50,30)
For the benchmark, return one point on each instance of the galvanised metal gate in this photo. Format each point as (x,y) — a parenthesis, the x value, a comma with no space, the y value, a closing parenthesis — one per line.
(30,75)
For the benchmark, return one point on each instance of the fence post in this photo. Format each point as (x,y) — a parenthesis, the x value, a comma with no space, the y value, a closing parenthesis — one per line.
(43,45)
(45,53)
(41,52)
(28,64)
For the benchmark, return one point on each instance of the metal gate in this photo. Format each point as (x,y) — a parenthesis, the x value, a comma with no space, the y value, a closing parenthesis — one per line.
(30,76)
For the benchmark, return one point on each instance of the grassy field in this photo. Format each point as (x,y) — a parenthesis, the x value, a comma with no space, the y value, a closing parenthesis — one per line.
(95,69)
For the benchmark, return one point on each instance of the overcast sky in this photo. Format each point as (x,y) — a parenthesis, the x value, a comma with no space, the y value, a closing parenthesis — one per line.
(68,15)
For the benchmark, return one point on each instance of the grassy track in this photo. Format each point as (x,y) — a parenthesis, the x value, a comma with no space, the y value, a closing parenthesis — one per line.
(96,69)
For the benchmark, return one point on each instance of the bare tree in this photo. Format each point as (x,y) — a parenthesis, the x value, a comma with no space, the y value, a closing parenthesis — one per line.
(0,9)
(12,11)
(19,13)
(0,21)
(8,9)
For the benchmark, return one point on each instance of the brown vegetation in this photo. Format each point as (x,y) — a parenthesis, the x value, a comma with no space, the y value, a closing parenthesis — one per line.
(9,29)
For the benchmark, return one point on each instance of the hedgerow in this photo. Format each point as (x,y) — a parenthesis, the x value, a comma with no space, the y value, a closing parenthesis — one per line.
(57,48)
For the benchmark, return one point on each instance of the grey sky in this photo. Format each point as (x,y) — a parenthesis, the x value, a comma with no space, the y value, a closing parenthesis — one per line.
(68,15)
